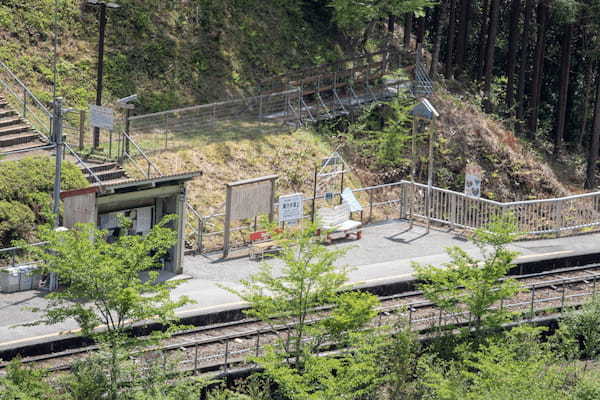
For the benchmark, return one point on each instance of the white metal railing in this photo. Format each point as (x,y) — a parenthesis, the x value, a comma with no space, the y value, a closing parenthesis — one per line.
(403,200)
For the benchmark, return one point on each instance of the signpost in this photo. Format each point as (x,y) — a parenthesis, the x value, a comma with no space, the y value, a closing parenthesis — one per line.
(101,117)
(473,180)
(290,208)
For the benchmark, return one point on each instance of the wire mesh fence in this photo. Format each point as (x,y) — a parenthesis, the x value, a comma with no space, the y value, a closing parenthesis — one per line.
(234,119)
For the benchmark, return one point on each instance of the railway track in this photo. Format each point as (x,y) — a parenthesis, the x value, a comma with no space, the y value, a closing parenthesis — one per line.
(221,346)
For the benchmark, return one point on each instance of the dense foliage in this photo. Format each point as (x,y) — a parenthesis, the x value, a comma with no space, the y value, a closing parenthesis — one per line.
(25,200)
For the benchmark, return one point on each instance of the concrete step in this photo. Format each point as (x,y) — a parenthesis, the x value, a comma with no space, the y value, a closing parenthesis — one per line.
(11,130)
(6,113)
(112,181)
(109,175)
(32,148)
(8,121)
(19,138)
(99,167)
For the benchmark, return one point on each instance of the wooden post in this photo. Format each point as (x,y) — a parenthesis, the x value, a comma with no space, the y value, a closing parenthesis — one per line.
(227,226)
(257,342)
(81,129)
(226,354)
(562,300)
(196,359)
(430,172)
(24,102)
(532,298)
(342,184)
(199,239)
(413,170)
(370,205)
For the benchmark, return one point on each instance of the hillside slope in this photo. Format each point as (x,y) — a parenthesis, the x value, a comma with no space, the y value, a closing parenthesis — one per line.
(172,53)
(512,170)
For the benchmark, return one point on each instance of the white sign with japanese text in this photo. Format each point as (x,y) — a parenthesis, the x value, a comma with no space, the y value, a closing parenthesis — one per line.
(290,207)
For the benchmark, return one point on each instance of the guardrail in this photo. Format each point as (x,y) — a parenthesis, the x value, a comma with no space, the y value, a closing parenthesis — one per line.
(405,200)
(26,103)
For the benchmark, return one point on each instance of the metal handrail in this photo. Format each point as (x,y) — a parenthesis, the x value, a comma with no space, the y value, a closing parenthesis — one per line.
(5,67)
(210,105)
(29,94)
(139,149)
(80,161)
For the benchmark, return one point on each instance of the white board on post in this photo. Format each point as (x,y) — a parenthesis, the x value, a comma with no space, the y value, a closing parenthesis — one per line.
(101,117)
(290,208)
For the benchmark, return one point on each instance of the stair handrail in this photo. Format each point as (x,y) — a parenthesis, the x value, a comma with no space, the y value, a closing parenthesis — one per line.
(80,161)
(139,149)
(30,95)
(191,208)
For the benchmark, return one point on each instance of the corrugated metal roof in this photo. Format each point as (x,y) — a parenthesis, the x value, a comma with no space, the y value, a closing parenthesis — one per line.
(140,182)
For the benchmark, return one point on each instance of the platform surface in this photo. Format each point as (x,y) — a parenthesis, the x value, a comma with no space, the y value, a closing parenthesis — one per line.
(385,253)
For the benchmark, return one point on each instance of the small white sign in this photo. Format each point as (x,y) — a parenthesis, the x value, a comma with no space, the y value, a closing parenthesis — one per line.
(348,197)
(290,207)
(473,180)
(101,117)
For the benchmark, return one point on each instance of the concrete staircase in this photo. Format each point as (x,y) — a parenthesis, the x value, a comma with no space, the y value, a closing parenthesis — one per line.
(106,172)
(16,133)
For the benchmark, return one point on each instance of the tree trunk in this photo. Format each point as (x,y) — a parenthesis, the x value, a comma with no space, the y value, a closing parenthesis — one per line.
(420,31)
(462,36)
(565,70)
(482,39)
(408,23)
(391,23)
(590,180)
(513,40)
(489,57)
(451,35)
(524,58)
(538,71)
(587,90)
(437,41)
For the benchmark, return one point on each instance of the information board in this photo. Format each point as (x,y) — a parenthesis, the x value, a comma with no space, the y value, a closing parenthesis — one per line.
(248,201)
(290,207)
(101,117)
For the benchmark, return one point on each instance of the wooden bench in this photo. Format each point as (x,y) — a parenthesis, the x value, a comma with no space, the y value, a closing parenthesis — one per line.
(260,243)
(336,220)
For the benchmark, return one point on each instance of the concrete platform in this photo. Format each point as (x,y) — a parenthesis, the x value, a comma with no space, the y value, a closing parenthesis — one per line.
(384,255)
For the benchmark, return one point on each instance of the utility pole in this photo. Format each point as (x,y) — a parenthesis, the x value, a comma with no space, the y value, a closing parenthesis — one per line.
(58,146)
(103,5)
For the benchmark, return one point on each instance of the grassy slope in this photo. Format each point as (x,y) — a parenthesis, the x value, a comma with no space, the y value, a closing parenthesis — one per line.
(201,50)
(291,155)
(171,53)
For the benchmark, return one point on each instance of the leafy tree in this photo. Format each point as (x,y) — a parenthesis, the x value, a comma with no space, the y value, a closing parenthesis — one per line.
(579,333)
(309,279)
(475,283)
(105,292)
(514,366)
(23,383)
(401,359)
(360,17)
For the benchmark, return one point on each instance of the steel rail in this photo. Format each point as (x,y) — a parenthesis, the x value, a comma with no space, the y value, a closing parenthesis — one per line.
(412,307)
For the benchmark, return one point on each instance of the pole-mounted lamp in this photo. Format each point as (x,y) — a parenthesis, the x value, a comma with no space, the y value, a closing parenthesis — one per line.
(103,6)
(423,111)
